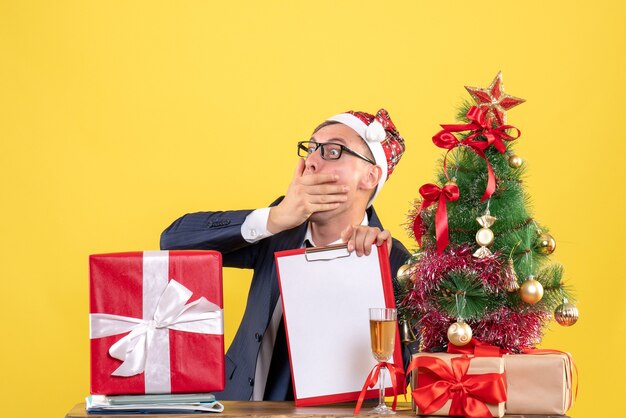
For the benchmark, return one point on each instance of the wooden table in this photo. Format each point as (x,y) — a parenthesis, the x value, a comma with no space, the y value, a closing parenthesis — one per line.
(277,409)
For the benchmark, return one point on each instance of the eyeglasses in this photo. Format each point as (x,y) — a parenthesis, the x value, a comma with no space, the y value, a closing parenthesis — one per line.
(328,150)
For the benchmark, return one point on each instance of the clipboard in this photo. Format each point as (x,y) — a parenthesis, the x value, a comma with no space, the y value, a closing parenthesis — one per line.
(326,295)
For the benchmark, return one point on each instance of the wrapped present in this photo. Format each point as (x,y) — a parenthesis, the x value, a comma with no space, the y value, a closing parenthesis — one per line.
(156,322)
(458,385)
(539,383)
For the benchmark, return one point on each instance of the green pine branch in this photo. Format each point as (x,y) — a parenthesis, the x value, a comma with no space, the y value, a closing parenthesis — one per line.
(462,295)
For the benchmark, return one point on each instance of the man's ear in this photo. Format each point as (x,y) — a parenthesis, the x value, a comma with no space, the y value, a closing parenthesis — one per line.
(372,177)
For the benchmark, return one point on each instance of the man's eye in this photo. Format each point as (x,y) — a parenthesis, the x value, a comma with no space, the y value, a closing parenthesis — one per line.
(334,153)
(310,150)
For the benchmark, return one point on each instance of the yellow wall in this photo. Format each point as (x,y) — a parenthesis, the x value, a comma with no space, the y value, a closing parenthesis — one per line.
(116,117)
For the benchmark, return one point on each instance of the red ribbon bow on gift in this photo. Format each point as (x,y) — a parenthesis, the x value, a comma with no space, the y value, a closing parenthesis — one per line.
(480,349)
(431,193)
(481,125)
(397,376)
(469,393)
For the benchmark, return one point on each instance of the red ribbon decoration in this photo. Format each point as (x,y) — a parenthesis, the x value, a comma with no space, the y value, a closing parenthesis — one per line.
(469,393)
(481,125)
(477,348)
(397,375)
(431,193)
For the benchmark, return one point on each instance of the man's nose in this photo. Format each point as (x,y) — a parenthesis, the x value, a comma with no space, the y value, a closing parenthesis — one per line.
(310,164)
(313,161)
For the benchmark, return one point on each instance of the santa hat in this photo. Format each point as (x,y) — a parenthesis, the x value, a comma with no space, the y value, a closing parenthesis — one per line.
(380,135)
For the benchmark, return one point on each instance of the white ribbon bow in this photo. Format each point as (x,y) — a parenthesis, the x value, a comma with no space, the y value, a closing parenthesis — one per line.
(149,338)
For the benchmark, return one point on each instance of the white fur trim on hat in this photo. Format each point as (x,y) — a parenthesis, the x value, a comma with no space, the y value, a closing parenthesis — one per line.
(372,131)
(375,132)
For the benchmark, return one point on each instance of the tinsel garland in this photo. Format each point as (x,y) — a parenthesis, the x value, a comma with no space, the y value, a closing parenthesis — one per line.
(510,330)
(433,267)
(505,327)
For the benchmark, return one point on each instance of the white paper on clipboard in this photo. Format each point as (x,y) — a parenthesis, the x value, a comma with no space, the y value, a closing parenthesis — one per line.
(326,297)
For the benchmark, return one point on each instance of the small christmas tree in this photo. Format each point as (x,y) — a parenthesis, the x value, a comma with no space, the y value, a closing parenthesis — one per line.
(482,267)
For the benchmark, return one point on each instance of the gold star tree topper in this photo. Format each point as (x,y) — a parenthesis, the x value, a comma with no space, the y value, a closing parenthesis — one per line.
(493,100)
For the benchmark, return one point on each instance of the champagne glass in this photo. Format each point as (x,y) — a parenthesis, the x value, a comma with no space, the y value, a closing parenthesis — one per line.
(383,337)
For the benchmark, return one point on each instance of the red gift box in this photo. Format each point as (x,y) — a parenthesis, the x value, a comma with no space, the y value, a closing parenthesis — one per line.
(156,322)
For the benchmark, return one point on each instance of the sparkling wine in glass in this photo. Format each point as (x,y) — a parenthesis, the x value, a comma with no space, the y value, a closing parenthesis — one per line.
(383,336)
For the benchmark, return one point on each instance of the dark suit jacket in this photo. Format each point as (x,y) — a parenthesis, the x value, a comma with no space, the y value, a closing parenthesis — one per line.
(221,231)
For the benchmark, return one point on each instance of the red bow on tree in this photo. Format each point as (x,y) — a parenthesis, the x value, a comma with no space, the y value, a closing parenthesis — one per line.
(469,392)
(431,193)
(481,126)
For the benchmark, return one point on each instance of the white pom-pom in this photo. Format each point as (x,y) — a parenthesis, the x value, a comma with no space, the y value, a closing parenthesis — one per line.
(375,132)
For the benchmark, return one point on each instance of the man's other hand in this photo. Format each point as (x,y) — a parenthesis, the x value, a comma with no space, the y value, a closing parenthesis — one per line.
(360,238)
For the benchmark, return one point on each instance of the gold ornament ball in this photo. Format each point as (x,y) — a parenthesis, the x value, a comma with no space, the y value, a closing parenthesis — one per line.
(515,161)
(531,291)
(459,333)
(404,273)
(484,237)
(566,314)
(451,183)
(546,244)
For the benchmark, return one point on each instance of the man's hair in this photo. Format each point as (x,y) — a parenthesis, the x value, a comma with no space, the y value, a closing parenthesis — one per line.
(365,151)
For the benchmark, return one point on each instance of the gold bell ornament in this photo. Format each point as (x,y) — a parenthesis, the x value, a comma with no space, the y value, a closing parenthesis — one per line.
(406,332)
(511,277)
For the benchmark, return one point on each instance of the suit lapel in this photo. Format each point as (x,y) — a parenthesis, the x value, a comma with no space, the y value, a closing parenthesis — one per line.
(287,240)
(373,218)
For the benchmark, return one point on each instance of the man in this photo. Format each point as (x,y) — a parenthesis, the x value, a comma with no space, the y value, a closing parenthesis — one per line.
(344,166)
